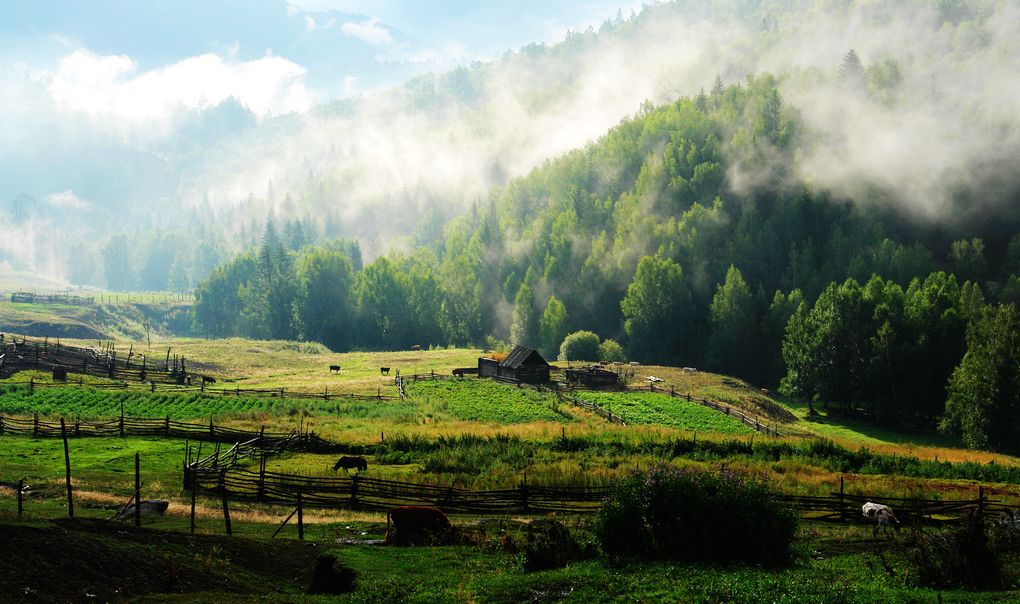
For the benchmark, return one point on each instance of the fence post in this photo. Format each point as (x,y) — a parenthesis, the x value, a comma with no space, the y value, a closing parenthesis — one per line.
(1,423)
(981,503)
(21,496)
(194,487)
(524,493)
(166,423)
(122,418)
(77,425)
(138,490)
(67,473)
(262,477)
(354,491)
(300,519)
(842,507)
(31,385)
(35,424)
(212,430)
(223,494)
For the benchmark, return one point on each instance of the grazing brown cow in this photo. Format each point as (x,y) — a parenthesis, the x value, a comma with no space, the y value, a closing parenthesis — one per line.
(347,462)
(384,370)
(334,369)
(416,525)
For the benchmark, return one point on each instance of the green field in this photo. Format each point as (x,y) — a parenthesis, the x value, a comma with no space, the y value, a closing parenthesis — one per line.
(484,400)
(470,433)
(664,410)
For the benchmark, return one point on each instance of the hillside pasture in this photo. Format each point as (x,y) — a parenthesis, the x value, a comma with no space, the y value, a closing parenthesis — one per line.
(485,400)
(665,410)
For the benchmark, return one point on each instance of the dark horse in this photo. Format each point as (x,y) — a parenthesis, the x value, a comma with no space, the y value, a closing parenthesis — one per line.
(347,463)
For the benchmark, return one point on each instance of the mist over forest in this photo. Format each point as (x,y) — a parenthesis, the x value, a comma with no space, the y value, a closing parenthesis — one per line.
(102,146)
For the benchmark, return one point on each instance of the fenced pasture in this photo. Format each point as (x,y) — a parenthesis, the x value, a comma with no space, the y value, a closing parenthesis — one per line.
(485,400)
(665,410)
(221,474)
(165,427)
(104,400)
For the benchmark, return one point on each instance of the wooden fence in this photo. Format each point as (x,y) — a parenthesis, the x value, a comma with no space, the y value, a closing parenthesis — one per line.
(18,354)
(221,474)
(166,427)
(748,420)
(594,408)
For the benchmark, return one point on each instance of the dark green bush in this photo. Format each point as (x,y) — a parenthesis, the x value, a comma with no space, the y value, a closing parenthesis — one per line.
(548,545)
(668,513)
(958,557)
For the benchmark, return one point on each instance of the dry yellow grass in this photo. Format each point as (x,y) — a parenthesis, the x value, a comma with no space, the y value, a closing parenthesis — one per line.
(240,512)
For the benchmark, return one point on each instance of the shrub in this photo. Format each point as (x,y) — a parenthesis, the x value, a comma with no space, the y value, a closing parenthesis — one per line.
(549,545)
(668,513)
(580,346)
(610,351)
(959,557)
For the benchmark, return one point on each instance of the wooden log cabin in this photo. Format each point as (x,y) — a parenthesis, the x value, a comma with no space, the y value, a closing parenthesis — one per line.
(522,365)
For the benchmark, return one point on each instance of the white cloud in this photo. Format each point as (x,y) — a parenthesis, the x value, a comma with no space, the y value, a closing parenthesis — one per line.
(368,31)
(65,199)
(309,23)
(110,86)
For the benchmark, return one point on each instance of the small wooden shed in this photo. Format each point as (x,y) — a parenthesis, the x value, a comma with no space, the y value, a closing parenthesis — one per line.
(593,376)
(522,365)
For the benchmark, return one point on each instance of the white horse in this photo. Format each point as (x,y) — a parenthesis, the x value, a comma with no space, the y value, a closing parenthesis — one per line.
(882,515)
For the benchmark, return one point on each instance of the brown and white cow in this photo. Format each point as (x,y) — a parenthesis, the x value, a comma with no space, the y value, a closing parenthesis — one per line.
(881,514)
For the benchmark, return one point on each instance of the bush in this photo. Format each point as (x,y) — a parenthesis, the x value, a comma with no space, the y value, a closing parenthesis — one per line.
(549,545)
(580,346)
(688,515)
(610,351)
(959,557)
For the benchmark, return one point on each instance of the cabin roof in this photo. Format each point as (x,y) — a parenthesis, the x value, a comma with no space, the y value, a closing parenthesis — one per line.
(522,355)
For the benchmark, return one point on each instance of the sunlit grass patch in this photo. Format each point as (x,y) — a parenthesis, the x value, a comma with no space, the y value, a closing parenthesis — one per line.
(654,408)
(488,401)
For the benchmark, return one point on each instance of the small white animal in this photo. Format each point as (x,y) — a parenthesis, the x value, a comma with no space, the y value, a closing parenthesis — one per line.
(882,515)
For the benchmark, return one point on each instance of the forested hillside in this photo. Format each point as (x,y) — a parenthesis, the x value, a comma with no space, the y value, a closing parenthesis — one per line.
(836,228)
(640,237)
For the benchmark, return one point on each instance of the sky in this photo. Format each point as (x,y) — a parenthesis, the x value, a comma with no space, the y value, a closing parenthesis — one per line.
(131,57)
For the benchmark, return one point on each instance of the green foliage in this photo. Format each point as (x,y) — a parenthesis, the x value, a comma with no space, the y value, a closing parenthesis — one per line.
(734,327)
(667,513)
(984,390)
(967,260)
(552,327)
(656,299)
(268,301)
(523,328)
(217,300)
(324,300)
(879,349)
(610,351)
(580,346)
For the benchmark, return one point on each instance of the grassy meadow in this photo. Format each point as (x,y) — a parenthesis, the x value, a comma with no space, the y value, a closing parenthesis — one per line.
(476,433)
